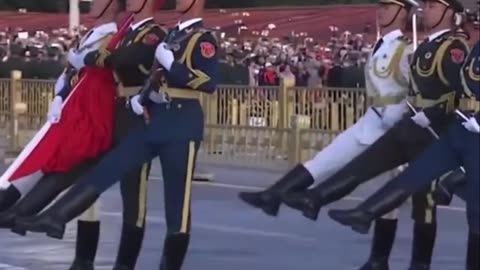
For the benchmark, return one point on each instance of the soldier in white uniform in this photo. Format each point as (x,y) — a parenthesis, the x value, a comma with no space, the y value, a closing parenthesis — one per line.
(44,188)
(387,83)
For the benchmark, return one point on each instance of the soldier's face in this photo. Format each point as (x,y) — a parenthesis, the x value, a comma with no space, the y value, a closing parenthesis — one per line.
(183,5)
(433,12)
(386,13)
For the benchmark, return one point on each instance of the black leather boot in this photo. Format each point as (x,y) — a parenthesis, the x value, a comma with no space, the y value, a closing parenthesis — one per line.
(130,246)
(88,234)
(386,199)
(473,251)
(82,265)
(376,264)
(269,199)
(382,244)
(174,251)
(43,193)
(53,221)
(310,202)
(423,243)
(448,186)
(8,197)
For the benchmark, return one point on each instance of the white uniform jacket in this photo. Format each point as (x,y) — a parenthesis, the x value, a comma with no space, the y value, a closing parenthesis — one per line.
(387,82)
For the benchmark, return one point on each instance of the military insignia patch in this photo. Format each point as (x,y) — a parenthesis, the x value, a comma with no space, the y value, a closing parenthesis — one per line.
(457,56)
(208,49)
(151,39)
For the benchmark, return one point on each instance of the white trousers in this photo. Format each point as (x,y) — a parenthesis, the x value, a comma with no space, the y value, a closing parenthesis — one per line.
(91,214)
(337,155)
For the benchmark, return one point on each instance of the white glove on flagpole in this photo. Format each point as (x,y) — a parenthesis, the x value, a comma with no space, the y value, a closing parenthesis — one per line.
(164,56)
(472,125)
(136,106)
(55,111)
(421,119)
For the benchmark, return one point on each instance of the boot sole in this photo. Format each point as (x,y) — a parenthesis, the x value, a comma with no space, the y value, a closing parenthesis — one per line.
(19,231)
(361,228)
(311,214)
(56,234)
(272,209)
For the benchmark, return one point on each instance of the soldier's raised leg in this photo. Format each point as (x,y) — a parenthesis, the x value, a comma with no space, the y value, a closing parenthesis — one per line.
(325,163)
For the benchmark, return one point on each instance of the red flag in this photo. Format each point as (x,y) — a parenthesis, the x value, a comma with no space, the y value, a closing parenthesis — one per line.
(85,129)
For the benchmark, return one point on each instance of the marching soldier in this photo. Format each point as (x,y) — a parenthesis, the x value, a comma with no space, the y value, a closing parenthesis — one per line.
(46,188)
(173,131)
(131,62)
(459,146)
(387,80)
(434,78)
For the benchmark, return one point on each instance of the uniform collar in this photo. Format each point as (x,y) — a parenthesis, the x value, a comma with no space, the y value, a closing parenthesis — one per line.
(186,24)
(140,23)
(106,28)
(437,34)
(395,34)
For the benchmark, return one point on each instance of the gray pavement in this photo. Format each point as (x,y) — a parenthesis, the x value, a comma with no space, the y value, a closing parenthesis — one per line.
(227,235)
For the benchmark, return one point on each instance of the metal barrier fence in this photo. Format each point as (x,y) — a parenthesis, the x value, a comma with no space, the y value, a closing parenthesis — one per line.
(248,126)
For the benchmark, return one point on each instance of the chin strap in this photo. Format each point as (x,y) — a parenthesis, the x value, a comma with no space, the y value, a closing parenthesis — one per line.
(394,18)
(104,9)
(190,7)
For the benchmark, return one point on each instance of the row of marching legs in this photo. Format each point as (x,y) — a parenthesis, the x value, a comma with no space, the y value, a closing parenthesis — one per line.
(295,191)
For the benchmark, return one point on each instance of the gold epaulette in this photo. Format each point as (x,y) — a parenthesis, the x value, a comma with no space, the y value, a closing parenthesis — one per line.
(405,39)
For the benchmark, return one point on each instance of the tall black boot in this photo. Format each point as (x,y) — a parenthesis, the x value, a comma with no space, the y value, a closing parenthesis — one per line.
(8,197)
(53,221)
(130,246)
(174,251)
(473,251)
(269,199)
(382,243)
(310,202)
(88,234)
(386,199)
(448,186)
(423,243)
(43,193)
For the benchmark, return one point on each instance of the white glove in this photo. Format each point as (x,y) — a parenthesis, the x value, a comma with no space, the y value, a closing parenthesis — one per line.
(77,59)
(164,56)
(55,111)
(472,125)
(136,106)
(60,83)
(421,119)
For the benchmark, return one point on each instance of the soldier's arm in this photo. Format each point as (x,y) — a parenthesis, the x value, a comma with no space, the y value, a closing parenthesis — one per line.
(202,75)
(137,54)
(404,64)
(451,64)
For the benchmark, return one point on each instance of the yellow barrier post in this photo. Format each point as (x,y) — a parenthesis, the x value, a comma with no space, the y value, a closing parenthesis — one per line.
(16,108)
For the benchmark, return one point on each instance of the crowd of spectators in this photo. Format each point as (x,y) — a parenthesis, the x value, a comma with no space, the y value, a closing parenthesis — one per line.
(257,59)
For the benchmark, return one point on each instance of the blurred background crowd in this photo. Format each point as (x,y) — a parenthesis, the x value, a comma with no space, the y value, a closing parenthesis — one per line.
(260,57)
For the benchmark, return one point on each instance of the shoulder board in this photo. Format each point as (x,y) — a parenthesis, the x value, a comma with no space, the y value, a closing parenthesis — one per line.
(144,30)
(212,32)
(405,39)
